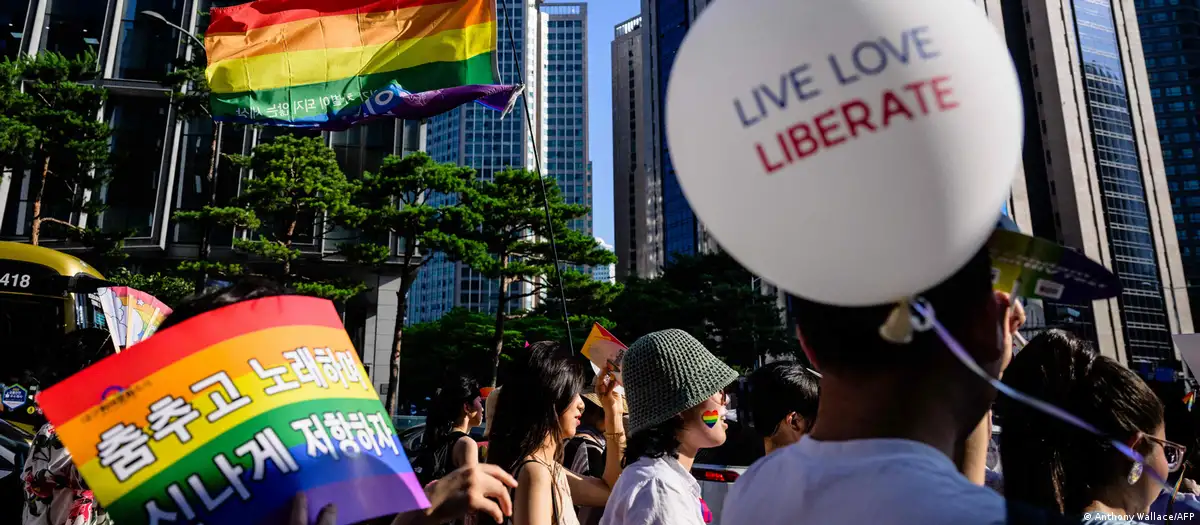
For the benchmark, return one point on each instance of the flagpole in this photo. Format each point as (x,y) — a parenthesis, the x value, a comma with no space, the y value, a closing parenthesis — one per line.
(537,159)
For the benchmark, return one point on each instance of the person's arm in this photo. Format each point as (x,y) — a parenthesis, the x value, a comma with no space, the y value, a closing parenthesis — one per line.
(465,452)
(532,504)
(480,489)
(593,492)
(972,457)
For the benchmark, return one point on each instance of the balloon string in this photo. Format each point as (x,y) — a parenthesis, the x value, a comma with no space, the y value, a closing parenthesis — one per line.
(928,318)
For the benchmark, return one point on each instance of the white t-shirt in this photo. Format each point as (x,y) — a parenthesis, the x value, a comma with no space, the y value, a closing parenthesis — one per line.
(876,481)
(654,491)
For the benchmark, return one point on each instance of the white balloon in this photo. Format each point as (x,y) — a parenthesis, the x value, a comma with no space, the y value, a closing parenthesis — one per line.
(854,152)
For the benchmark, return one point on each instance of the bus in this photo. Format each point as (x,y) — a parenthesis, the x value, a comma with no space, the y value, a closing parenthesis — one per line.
(44,295)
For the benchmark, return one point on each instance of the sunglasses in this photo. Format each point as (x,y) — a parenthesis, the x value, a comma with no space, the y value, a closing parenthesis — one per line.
(1173,452)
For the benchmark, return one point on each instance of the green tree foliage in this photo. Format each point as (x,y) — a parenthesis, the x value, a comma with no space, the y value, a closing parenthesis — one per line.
(586,298)
(398,202)
(51,127)
(190,96)
(515,240)
(713,298)
(167,288)
(460,342)
(296,184)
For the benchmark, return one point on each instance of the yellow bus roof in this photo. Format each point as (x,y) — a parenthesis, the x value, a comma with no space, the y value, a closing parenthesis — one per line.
(60,262)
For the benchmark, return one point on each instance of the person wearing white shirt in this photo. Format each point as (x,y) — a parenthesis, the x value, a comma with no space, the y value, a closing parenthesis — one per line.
(894,407)
(675,389)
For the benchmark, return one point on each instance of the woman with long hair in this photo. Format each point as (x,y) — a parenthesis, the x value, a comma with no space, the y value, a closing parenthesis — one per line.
(446,444)
(1072,472)
(677,408)
(541,407)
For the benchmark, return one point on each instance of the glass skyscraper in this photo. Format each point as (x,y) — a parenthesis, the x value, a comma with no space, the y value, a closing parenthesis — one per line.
(1170,31)
(1093,175)
(666,22)
(552,41)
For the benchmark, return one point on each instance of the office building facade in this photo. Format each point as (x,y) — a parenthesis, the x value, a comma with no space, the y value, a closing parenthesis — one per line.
(552,41)
(161,161)
(566,100)
(637,194)
(664,25)
(1170,31)
(1093,175)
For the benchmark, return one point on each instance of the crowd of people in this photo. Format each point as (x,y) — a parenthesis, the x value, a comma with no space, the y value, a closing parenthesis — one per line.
(876,428)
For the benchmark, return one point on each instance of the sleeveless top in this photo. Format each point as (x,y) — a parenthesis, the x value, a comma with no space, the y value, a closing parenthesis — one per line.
(563,512)
(436,459)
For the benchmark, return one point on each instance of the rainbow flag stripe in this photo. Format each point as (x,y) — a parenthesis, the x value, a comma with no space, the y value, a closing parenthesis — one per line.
(226,417)
(307,62)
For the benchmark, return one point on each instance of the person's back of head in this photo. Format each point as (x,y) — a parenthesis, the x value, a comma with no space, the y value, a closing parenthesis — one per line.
(541,388)
(1052,465)
(846,346)
(783,402)
(245,289)
(454,400)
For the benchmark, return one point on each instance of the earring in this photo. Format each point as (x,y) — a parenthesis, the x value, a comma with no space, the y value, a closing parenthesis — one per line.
(1135,473)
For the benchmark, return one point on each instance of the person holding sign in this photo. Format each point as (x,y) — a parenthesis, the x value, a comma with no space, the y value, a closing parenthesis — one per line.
(251,398)
(541,407)
(677,406)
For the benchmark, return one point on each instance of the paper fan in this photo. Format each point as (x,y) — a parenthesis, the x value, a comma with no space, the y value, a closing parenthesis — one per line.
(132,315)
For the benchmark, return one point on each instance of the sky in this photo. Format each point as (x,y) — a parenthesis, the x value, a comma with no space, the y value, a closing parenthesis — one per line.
(603,16)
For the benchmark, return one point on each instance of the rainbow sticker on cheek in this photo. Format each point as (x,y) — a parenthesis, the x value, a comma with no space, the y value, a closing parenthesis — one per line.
(710,418)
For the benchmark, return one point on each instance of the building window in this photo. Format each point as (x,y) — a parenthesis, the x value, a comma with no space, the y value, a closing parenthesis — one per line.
(139,128)
(12,26)
(73,27)
(147,47)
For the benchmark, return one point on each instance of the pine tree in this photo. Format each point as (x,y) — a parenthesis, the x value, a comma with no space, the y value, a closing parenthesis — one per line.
(400,202)
(515,238)
(51,126)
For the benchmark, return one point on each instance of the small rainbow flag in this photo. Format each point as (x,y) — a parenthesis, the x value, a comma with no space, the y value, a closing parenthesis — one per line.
(1189,399)
(225,417)
(323,63)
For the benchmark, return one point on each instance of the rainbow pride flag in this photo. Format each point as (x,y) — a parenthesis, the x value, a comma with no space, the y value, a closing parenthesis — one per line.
(323,63)
(225,417)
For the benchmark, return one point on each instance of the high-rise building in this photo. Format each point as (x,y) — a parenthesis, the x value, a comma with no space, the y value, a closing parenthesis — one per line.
(605,272)
(637,197)
(566,93)
(477,137)
(161,161)
(1170,33)
(665,23)
(1093,175)
(551,39)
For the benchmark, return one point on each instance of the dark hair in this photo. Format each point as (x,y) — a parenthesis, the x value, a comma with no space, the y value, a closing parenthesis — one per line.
(1059,467)
(244,289)
(846,339)
(660,440)
(447,407)
(779,389)
(539,390)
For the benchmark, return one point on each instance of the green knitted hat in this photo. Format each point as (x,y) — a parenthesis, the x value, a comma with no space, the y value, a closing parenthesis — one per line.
(668,372)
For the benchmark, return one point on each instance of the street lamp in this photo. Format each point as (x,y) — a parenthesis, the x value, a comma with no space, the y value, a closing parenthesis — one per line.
(155,15)
(218,136)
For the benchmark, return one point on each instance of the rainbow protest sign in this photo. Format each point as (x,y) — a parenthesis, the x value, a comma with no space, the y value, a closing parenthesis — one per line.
(604,351)
(225,417)
(321,63)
